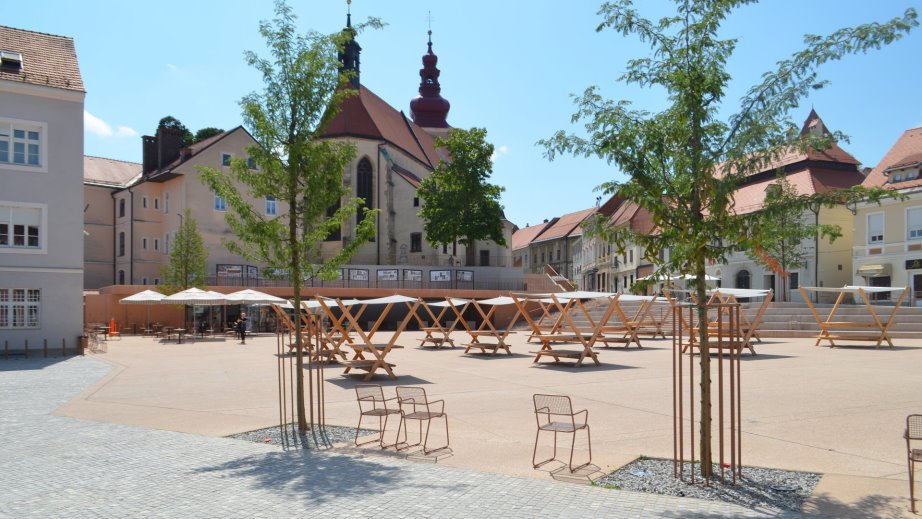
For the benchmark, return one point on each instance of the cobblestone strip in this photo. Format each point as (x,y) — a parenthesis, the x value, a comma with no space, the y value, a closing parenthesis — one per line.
(62,467)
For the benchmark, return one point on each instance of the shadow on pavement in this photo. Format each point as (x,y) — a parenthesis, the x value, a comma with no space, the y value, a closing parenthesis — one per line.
(349,381)
(868,507)
(587,366)
(21,363)
(315,477)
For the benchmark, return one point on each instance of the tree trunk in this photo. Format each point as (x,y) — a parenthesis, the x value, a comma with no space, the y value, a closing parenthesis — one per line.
(705,378)
(299,340)
(470,253)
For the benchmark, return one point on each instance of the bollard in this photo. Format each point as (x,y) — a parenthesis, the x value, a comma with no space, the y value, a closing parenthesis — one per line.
(45,348)
(27,348)
(6,349)
(63,347)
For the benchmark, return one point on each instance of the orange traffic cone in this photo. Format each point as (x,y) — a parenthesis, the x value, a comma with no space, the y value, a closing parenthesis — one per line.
(113,328)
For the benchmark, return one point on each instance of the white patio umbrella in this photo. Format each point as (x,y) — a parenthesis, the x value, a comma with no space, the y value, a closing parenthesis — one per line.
(195,296)
(253,297)
(147,297)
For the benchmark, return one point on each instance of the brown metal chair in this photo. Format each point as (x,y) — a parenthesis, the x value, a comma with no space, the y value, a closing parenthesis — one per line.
(913,455)
(415,406)
(372,403)
(554,413)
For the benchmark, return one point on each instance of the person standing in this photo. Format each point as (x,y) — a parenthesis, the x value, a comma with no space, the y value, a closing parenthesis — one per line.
(242,328)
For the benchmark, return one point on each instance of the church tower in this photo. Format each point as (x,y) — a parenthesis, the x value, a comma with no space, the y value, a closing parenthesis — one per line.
(349,56)
(429,110)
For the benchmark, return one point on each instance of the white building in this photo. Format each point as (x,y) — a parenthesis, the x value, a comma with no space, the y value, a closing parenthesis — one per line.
(41,192)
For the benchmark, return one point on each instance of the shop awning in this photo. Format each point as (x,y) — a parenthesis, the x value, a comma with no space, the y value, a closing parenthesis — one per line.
(874,271)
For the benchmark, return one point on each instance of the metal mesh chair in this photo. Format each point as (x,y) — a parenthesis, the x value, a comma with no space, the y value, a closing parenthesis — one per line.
(913,455)
(554,413)
(373,404)
(415,406)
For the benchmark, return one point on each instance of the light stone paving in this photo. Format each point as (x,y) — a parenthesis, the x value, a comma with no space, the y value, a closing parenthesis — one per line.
(54,466)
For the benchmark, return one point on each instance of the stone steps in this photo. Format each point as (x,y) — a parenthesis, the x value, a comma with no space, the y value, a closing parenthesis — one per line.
(796,320)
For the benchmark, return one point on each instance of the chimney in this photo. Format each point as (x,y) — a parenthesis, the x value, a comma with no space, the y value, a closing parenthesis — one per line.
(169,143)
(185,153)
(545,220)
(149,152)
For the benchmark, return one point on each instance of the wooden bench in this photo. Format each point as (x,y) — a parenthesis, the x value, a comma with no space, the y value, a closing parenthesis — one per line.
(578,355)
(493,347)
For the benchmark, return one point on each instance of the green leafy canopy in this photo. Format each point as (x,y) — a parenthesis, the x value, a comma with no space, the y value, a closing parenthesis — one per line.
(303,89)
(188,265)
(684,163)
(459,204)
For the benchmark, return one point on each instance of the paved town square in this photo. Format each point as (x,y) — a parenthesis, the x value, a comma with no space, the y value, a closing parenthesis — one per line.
(849,430)
(601,259)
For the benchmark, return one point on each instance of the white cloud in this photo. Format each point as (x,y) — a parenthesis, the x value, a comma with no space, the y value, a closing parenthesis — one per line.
(499,152)
(172,68)
(97,126)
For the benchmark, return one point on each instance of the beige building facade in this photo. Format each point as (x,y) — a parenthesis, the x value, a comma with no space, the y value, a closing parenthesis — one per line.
(888,237)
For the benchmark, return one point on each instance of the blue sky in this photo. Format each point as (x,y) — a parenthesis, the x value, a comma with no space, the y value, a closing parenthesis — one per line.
(507,66)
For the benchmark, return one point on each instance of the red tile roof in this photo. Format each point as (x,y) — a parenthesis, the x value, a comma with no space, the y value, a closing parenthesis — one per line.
(367,115)
(166,172)
(565,225)
(47,60)
(751,197)
(411,179)
(522,237)
(905,150)
(113,172)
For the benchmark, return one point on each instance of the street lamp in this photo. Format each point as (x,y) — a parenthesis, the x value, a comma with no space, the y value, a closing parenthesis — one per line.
(815,206)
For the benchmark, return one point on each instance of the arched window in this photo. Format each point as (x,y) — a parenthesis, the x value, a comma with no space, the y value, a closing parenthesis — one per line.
(363,188)
(121,208)
(743,279)
(121,277)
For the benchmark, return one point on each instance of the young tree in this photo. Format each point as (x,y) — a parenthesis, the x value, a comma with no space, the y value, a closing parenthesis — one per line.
(171,123)
(458,202)
(303,90)
(684,163)
(188,265)
(781,246)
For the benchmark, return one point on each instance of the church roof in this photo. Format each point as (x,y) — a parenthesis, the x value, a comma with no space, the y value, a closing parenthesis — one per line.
(368,116)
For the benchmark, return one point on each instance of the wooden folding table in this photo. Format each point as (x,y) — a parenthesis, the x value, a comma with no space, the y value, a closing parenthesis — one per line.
(436,334)
(487,337)
(365,345)
(876,331)
(568,332)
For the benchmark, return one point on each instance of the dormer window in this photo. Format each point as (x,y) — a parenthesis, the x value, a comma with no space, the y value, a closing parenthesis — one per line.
(897,178)
(10,61)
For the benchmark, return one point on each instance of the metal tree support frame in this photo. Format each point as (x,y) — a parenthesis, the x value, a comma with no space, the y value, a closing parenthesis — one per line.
(287,385)
(726,341)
